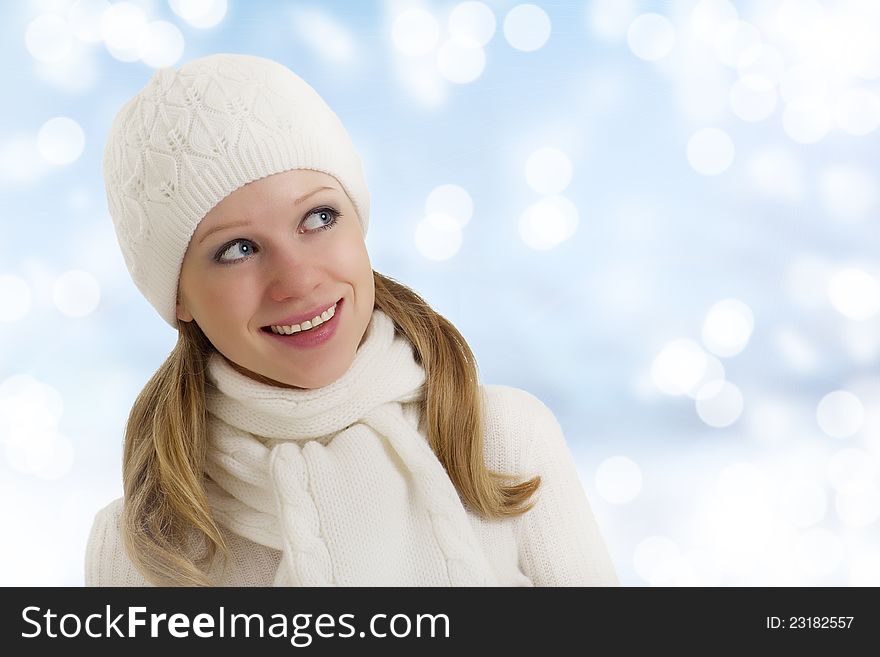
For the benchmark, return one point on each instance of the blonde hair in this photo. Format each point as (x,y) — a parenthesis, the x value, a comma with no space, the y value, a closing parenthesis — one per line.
(169,531)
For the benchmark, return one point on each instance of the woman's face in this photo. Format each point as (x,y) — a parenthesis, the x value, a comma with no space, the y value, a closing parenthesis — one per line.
(274,253)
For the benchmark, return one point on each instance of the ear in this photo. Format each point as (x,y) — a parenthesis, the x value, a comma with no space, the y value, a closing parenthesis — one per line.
(182,313)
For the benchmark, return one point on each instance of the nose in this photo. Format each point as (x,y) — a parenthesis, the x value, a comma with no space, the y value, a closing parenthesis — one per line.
(293,273)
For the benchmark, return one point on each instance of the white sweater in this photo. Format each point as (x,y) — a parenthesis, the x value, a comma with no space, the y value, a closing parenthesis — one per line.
(338,485)
(557,543)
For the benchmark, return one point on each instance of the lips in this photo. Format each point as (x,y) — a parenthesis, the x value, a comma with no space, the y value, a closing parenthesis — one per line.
(311,338)
(301,317)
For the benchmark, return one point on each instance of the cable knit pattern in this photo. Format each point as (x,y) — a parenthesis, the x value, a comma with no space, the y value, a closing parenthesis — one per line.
(266,445)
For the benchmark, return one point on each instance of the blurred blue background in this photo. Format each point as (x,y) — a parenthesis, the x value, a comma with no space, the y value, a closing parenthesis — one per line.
(660,218)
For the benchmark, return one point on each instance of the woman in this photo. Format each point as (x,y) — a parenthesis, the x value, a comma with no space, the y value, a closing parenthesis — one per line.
(317,423)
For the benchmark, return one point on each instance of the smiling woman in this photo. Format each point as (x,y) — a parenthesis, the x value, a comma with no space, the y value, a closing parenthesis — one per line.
(317,423)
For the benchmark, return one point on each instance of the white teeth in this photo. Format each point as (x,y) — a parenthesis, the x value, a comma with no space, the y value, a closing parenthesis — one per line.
(306,325)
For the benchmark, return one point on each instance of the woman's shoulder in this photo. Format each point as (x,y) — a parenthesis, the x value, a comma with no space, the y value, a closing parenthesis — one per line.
(106,562)
(517,424)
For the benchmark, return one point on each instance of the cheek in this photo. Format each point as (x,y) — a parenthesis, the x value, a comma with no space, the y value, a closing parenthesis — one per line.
(219,296)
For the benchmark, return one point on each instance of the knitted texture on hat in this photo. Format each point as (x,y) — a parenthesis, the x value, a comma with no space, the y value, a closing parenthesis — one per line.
(339,478)
(192,136)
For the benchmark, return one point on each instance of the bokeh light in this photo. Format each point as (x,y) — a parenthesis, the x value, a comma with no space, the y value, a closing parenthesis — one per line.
(203,14)
(651,37)
(618,479)
(709,18)
(734,39)
(713,372)
(472,22)
(840,414)
(452,201)
(460,61)
(125,31)
(653,558)
(85,19)
(48,38)
(61,140)
(76,293)
(610,19)
(438,236)
(415,32)
(679,366)
(527,27)
(548,171)
(719,403)
(163,46)
(806,119)
(549,222)
(328,39)
(728,327)
(855,293)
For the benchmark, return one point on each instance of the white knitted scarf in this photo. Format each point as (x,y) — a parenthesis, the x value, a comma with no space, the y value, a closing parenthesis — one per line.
(339,478)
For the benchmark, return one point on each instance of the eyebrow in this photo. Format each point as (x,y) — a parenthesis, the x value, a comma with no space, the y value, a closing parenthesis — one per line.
(237,224)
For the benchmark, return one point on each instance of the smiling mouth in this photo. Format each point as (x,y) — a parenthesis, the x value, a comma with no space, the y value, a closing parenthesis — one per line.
(305,326)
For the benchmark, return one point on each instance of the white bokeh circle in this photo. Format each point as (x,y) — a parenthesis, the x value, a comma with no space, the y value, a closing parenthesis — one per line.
(806,120)
(709,18)
(527,27)
(125,31)
(203,14)
(840,414)
(719,404)
(547,223)
(855,293)
(85,19)
(548,171)
(76,293)
(472,22)
(438,237)
(164,46)
(728,327)
(460,62)
(415,32)
(679,366)
(48,38)
(61,140)
(651,37)
(452,201)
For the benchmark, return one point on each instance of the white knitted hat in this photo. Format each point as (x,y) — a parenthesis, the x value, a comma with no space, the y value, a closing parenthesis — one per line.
(192,136)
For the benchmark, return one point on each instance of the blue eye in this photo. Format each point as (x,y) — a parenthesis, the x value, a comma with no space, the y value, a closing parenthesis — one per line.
(241,249)
(325,214)
(244,247)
